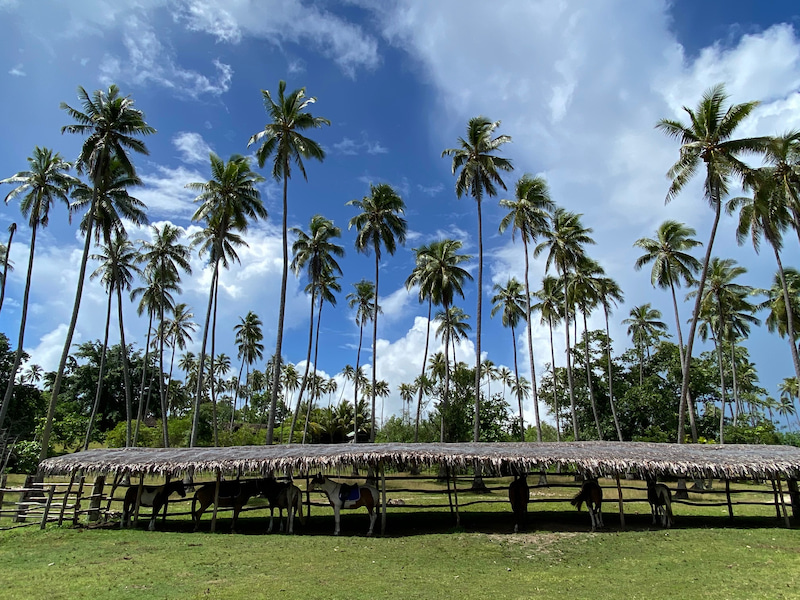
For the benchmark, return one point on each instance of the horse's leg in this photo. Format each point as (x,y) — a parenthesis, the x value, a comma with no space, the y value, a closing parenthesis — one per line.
(373,515)
(290,509)
(236,509)
(156,510)
(336,509)
(271,509)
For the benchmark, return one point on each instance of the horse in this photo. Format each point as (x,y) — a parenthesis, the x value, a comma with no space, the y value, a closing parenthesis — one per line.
(347,496)
(152,495)
(660,498)
(592,494)
(283,495)
(518,495)
(231,493)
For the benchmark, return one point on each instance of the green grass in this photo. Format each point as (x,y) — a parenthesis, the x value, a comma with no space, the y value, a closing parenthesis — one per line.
(423,555)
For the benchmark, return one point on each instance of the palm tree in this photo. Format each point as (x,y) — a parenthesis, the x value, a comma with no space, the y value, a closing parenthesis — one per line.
(282,138)
(644,327)
(406,391)
(118,265)
(5,251)
(443,278)
(724,311)
(179,330)
(609,293)
(480,173)
(551,306)
(113,126)
(767,214)
(564,241)
(315,252)
(228,202)
(248,338)
(164,258)
(40,187)
(790,391)
(379,224)
(323,288)
(453,323)
(509,300)
(778,317)
(527,213)
(708,138)
(363,300)
(112,203)
(672,266)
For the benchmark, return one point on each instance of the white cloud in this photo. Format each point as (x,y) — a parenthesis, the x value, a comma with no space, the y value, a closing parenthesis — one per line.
(165,191)
(17,71)
(350,147)
(192,146)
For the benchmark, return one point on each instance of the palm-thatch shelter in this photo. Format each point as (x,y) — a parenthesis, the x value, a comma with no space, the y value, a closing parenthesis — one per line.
(730,461)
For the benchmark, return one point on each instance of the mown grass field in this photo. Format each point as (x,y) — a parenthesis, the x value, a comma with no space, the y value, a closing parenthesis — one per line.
(422,555)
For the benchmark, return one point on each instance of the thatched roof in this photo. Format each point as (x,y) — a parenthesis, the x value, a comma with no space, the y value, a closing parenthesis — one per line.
(593,458)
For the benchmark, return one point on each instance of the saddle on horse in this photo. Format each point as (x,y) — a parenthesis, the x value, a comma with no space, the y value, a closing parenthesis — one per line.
(349,493)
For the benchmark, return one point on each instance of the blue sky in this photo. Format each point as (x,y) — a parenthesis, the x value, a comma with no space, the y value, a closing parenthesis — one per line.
(578,86)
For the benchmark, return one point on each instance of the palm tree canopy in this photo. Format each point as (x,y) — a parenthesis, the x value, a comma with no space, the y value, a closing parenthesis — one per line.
(527,213)
(672,263)
(551,300)
(315,250)
(777,319)
(45,182)
(475,156)
(363,300)
(438,272)
(248,338)
(112,124)
(564,240)
(458,328)
(379,222)
(282,136)
(707,139)
(510,301)
(118,260)
(644,324)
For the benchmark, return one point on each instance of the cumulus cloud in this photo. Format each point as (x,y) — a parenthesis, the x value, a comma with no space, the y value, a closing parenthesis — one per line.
(192,146)
(350,147)
(17,71)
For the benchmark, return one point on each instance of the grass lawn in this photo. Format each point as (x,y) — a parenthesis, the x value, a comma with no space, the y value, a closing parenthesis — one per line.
(423,555)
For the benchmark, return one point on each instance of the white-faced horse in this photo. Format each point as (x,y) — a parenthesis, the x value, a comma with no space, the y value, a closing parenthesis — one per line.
(283,495)
(348,496)
(152,495)
(592,494)
(660,498)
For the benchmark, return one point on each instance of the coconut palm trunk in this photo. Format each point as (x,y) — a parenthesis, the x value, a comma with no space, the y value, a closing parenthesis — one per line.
(201,361)
(790,325)
(314,375)
(555,380)
(126,375)
(570,382)
(610,380)
(12,229)
(530,345)
(374,349)
(688,405)
(476,434)
(304,381)
(100,375)
(140,411)
(355,384)
(422,374)
(589,377)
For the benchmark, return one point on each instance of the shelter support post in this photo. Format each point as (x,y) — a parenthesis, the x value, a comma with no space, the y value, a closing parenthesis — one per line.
(449,492)
(78,497)
(97,498)
(455,496)
(23,497)
(3,478)
(216,502)
(383,499)
(166,500)
(47,505)
(777,500)
(138,505)
(783,504)
(728,499)
(621,505)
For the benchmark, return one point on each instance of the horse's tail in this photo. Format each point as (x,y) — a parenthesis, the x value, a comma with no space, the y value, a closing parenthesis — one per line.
(578,500)
(194,507)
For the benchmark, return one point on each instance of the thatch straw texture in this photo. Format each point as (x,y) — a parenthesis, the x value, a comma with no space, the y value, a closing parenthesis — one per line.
(731,461)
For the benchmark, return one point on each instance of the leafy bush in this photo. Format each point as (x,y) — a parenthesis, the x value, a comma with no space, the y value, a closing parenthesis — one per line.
(25,457)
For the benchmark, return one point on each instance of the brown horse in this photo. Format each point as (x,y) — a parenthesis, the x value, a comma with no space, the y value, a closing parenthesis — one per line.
(340,497)
(660,498)
(592,494)
(519,495)
(283,495)
(231,493)
(152,495)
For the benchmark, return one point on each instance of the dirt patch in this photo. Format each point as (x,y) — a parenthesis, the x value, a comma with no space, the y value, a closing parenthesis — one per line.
(540,543)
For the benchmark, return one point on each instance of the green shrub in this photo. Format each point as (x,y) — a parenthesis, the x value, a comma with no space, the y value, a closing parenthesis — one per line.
(25,457)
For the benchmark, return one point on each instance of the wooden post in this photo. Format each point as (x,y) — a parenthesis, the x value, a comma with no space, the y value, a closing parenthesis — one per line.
(621,508)
(21,510)
(66,499)
(383,499)
(166,500)
(728,497)
(449,493)
(455,495)
(783,504)
(47,506)
(794,494)
(76,513)
(3,478)
(777,500)
(137,506)
(216,503)
(308,496)
(97,498)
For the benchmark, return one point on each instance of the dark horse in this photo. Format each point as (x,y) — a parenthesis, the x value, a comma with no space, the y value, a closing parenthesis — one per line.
(592,494)
(519,495)
(660,498)
(283,495)
(152,495)
(231,493)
